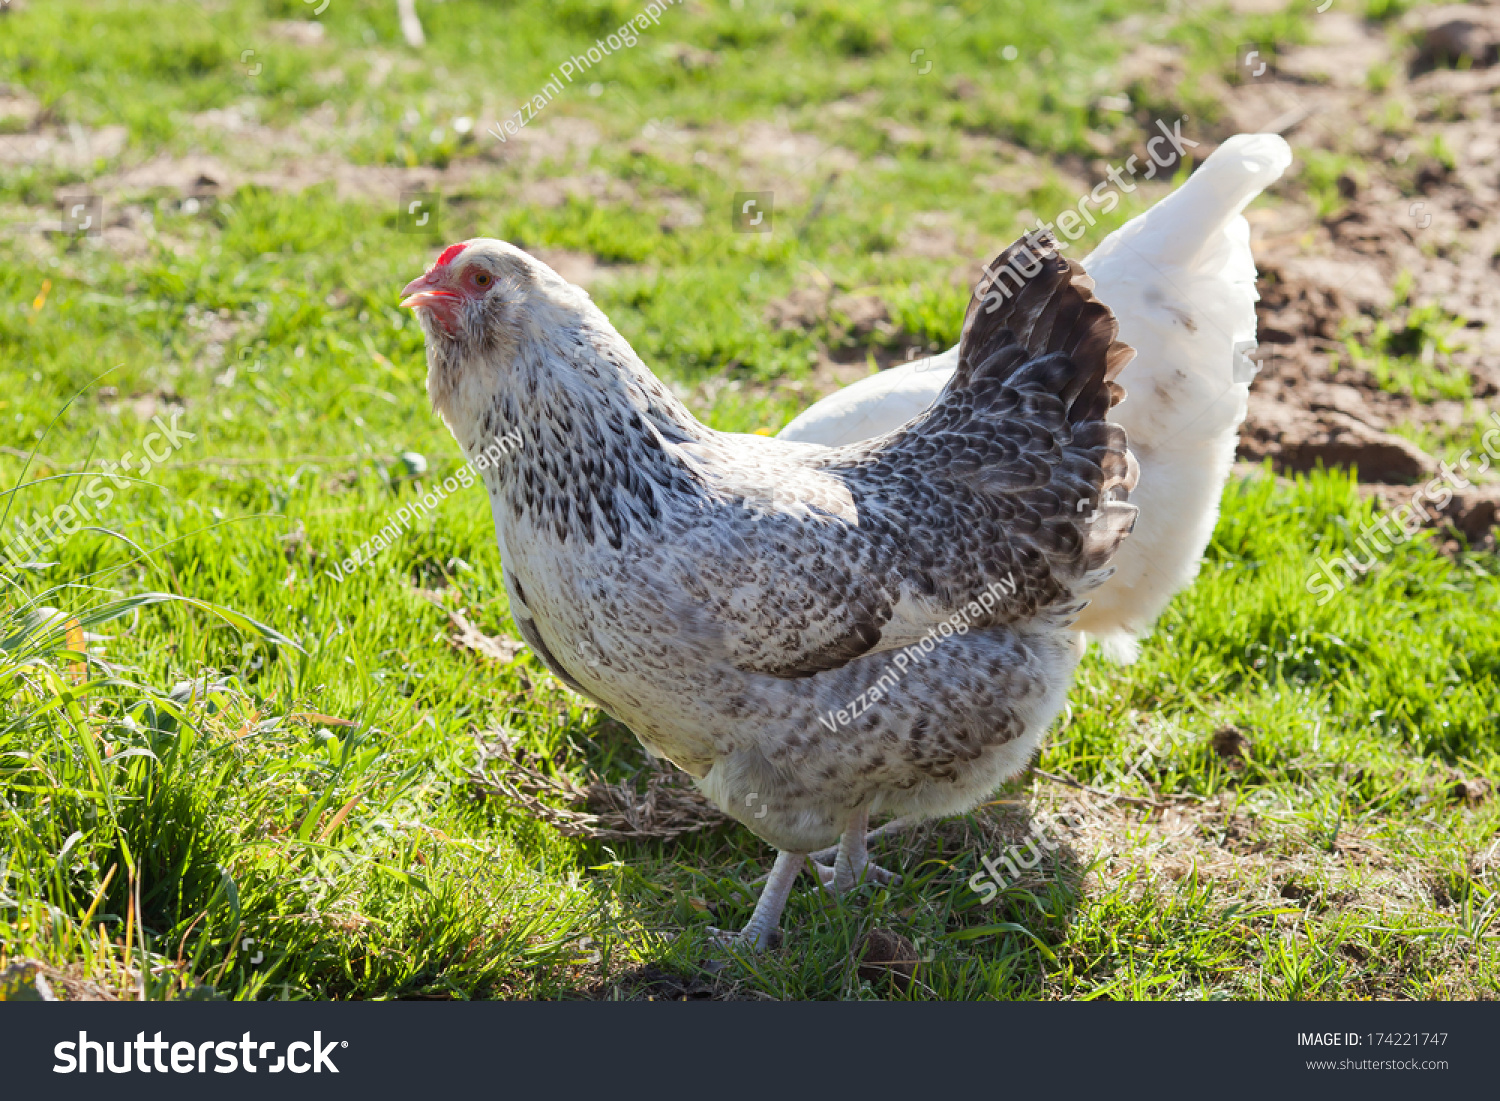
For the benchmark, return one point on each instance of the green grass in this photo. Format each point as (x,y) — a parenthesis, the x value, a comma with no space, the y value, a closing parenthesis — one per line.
(258,787)
(1409,350)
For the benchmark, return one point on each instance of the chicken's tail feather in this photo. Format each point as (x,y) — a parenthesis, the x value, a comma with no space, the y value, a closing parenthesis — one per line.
(1034,297)
(1182,277)
(1189,224)
(1034,327)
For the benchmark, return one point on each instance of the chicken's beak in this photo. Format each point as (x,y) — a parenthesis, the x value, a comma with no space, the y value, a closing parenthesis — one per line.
(423,291)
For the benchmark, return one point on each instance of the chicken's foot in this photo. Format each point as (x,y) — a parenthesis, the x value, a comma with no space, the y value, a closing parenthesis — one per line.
(758,932)
(851,856)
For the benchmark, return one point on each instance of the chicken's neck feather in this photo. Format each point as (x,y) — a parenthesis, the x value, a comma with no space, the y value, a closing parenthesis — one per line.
(588,435)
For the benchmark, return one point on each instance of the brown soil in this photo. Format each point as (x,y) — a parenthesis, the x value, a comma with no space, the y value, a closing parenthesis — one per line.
(1400,209)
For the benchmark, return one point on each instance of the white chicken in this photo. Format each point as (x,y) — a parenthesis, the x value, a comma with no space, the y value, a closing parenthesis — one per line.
(1180,279)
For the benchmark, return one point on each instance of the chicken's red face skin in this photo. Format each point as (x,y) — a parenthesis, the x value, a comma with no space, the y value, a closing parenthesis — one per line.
(446,288)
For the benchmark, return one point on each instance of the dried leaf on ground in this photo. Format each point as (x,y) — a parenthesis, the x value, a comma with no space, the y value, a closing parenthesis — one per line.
(496,647)
(27,980)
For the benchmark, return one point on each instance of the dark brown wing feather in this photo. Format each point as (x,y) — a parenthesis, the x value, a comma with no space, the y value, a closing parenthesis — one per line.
(1013,475)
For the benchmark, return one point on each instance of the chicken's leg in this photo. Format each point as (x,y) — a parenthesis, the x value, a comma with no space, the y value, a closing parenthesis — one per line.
(851,860)
(757,933)
(895,825)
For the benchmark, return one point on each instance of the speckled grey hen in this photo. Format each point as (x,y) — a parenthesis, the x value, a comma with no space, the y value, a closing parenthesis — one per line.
(814,634)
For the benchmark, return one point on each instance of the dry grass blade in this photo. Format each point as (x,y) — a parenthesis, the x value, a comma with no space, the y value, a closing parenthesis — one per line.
(338,819)
(313,718)
(599,810)
(411,26)
(1115,797)
(76,642)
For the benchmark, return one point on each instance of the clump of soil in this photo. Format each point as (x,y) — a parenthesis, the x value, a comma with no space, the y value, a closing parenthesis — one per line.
(883,953)
(1473,791)
(1231,743)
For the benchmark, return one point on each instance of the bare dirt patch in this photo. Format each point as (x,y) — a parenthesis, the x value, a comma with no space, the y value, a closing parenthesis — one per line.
(858,327)
(1411,203)
(1389,209)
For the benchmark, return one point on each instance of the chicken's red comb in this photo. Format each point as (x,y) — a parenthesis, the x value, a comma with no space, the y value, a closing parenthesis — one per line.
(448,254)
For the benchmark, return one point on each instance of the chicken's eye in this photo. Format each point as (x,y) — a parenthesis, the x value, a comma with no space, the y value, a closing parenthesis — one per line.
(482,279)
